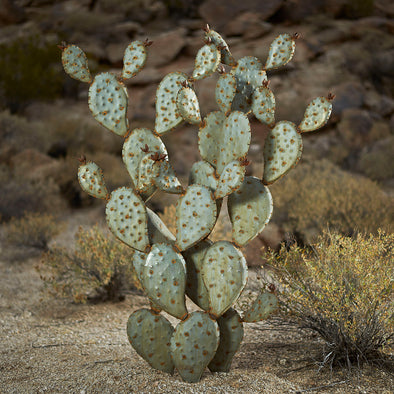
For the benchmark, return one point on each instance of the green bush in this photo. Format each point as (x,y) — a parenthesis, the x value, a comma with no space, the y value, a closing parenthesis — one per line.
(100,269)
(320,195)
(29,70)
(342,288)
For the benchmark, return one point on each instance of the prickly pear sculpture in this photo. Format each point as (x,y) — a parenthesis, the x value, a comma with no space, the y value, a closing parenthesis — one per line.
(170,266)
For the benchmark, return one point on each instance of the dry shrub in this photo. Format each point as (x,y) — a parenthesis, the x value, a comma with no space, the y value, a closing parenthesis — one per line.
(100,268)
(341,288)
(32,230)
(319,194)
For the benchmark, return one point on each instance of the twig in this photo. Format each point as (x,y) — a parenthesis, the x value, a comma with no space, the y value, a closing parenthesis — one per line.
(50,345)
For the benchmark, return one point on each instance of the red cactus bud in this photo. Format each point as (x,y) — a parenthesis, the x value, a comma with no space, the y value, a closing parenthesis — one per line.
(330,96)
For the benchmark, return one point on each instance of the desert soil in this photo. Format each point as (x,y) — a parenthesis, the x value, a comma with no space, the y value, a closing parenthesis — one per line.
(54,346)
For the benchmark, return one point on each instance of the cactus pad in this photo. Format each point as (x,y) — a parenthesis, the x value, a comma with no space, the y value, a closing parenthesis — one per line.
(225,273)
(224,139)
(230,179)
(158,231)
(207,61)
(226,87)
(262,307)
(231,335)
(316,114)
(134,146)
(249,75)
(250,209)
(91,179)
(127,218)
(281,51)
(138,261)
(188,107)
(203,173)
(195,216)
(134,59)
(164,279)
(147,173)
(195,287)
(166,178)
(150,335)
(282,151)
(108,102)
(194,344)
(167,114)
(75,63)
(263,105)
(217,39)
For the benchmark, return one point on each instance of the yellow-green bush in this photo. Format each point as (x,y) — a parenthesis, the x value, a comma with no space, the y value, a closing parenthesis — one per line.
(33,229)
(29,70)
(100,268)
(341,288)
(320,195)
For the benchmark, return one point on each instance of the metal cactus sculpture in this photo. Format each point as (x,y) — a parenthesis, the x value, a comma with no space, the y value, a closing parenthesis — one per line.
(171,266)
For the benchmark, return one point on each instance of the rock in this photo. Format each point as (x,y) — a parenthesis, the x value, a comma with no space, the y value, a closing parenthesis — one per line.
(166,47)
(272,236)
(354,128)
(219,13)
(115,53)
(381,104)
(249,25)
(10,13)
(348,95)
(147,76)
(130,28)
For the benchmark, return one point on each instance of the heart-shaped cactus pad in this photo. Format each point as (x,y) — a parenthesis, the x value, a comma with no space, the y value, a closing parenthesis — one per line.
(316,114)
(75,63)
(207,61)
(134,59)
(281,51)
(265,304)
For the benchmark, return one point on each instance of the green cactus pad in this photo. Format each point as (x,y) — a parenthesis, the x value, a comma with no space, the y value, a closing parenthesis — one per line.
(226,87)
(195,216)
(164,279)
(108,102)
(224,139)
(75,63)
(249,75)
(231,179)
(203,173)
(281,51)
(147,173)
(250,209)
(150,335)
(158,231)
(91,179)
(195,287)
(231,335)
(167,114)
(262,307)
(127,218)
(133,153)
(134,59)
(217,39)
(207,61)
(187,105)
(282,151)
(316,114)
(166,178)
(138,261)
(263,105)
(225,273)
(193,345)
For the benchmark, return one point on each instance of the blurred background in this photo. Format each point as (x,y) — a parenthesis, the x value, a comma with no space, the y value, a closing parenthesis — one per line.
(345,179)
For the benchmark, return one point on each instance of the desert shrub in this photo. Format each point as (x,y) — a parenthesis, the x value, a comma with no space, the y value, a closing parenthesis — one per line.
(100,268)
(29,70)
(33,230)
(341,288)
(19,196)
(319,194)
